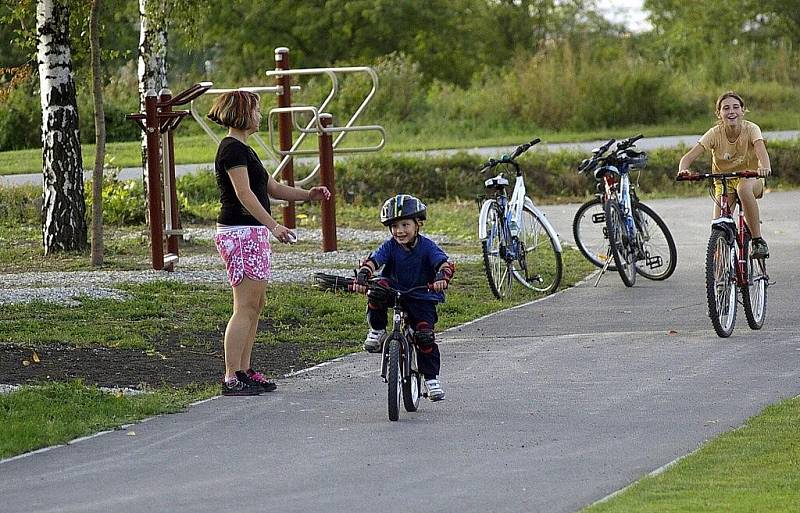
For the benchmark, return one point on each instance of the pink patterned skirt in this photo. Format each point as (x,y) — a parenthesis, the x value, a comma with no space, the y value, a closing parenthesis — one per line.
(245,251)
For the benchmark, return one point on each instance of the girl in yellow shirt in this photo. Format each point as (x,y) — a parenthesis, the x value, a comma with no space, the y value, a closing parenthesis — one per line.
(736,145)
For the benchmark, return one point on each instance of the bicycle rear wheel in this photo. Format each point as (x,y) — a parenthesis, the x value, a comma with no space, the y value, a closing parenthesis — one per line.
(659,253)
(497,269)
(538,264)
(720,283)
(394,377)
(590,233)
(754,294)
(624,257)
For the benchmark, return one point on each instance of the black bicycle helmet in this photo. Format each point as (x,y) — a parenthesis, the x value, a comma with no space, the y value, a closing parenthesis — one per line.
(402,206)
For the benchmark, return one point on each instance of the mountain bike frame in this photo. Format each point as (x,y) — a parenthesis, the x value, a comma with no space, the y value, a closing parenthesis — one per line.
(736,231)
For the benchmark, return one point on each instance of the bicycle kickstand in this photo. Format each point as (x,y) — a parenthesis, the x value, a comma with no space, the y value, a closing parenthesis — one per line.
(602,271)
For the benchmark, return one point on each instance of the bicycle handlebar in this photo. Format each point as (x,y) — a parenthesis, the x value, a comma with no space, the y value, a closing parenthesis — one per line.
(696,177)
(627,143)
(505,159)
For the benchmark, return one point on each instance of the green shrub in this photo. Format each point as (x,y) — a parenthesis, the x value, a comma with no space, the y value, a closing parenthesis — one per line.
(21,204)
(21,118)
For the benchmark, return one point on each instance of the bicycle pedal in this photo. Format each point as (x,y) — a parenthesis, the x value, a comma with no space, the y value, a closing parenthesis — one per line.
(599,218)
(653,262)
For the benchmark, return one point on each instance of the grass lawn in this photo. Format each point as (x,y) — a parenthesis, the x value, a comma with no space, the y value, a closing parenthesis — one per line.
(752,469)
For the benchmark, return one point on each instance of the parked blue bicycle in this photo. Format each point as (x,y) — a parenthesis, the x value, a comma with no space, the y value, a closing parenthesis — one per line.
(615,230)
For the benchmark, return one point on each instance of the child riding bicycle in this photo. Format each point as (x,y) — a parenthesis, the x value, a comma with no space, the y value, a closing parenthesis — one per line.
(735,145)
(407,260)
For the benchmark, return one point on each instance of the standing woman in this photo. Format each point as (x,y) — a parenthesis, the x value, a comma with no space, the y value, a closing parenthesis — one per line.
(736,145)
(243,226)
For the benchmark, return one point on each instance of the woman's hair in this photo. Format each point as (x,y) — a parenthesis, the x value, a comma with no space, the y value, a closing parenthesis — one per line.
(726,95)
(234,109)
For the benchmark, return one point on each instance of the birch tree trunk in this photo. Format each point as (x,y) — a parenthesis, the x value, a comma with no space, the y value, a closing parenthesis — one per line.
(99,137)
(64,206)
(152,59)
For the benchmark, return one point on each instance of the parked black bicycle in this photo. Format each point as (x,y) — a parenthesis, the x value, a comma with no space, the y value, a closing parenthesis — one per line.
(615,230)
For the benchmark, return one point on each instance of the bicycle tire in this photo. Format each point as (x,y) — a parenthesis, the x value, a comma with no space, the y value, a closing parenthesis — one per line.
(754,294)
(394,378)
(494,263)
(590,233)
(720,286)
(620,247)
(412,385)
(538,265)
(654,237)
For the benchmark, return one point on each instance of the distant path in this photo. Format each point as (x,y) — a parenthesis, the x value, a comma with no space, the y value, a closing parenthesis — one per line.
(649,143)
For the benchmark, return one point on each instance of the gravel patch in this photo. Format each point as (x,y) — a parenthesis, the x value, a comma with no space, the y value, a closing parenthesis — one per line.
(67,288)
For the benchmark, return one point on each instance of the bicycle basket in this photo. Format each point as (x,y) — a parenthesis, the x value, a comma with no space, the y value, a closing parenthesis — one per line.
(325,281)
(636,159)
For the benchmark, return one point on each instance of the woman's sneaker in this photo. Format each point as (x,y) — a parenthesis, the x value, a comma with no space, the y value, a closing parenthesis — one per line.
(374,341)
(235,386)
(435,391)
(259,379)
(759,248)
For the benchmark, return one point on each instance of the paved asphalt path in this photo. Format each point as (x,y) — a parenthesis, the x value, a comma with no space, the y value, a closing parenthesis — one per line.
(650,143)
(550,407)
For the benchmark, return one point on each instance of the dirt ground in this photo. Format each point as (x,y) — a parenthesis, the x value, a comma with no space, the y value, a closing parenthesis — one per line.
(170,364)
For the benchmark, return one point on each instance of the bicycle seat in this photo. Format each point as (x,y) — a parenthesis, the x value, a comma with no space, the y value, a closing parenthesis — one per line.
(497,182)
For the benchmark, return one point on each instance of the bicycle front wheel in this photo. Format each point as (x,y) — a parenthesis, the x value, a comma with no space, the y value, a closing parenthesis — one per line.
(658,253)
(754,294)
(395,378)
(620,243)
(494,253)
(720,283)
(590,233)
(538,264)
(412,385)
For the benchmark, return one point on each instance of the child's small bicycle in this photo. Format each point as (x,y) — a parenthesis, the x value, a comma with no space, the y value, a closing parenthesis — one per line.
(730,264)
(399,362)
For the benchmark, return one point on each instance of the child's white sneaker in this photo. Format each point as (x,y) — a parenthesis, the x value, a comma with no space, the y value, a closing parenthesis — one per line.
(435,391)
(374,341)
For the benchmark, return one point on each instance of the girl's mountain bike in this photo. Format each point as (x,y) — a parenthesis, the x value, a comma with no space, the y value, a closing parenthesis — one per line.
(399,362)
(516,237)
(615,230)
(729,264)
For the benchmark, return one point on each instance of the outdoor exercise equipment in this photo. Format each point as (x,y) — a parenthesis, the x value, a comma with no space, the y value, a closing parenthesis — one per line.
(320,122)
(158,121)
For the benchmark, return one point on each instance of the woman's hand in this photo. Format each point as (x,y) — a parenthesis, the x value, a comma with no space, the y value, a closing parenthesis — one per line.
(283,234)
(764,171)
(684,172)
(319,193)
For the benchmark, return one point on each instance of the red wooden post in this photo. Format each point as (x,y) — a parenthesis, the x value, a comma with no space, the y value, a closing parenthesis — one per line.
(285,128)
(169,154)
(326,174)
(154,179)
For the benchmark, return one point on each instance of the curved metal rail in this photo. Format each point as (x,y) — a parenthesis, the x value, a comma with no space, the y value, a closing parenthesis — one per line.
(315,126)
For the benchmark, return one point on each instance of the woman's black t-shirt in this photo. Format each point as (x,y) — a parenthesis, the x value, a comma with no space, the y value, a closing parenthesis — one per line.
(230,154)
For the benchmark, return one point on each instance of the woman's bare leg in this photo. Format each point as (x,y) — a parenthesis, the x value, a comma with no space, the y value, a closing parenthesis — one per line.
(747,190)
(247,303)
